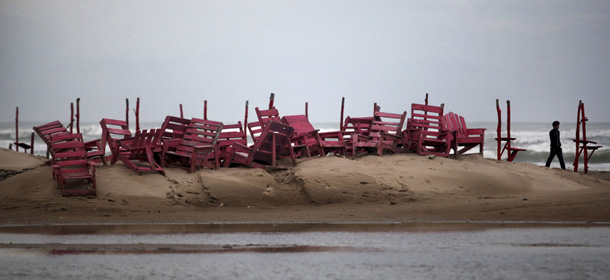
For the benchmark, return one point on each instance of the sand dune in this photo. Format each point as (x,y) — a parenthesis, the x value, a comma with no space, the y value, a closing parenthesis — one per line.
(401,187)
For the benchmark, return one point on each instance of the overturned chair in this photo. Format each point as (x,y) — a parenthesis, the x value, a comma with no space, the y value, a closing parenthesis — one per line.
(271,143)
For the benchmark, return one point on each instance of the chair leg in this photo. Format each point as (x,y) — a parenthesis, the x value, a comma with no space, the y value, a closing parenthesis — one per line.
(273,150)
(114,155)
(294,161)
(103,158)
(307,149)
(228,155)
(193,160)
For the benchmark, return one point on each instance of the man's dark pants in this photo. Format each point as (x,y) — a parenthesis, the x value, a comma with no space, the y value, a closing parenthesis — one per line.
(556,152)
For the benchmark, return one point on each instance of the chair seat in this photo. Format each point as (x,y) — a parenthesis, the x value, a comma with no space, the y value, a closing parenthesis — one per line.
(470,140)
(593,147)
(434,142)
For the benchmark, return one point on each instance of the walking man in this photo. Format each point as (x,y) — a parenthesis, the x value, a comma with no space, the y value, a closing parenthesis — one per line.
(555,146)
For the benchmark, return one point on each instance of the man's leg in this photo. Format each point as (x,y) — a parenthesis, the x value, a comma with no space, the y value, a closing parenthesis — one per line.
(560,157)
(551,156)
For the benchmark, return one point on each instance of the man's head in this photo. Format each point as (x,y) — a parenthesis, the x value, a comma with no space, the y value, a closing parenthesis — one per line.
(556,124)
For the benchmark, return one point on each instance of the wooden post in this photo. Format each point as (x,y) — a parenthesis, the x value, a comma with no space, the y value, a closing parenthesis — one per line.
(499,129)
(306,110)
(271,100)
(71,116)
(32,144)
(342,111)
(376,109)
(17,130)
(577,154)
(138,114)
(585,151)
(273,150)
(508,142)
(205,110)
(77,115)
(181,112)
(127,111)
(246,121)
(426,112)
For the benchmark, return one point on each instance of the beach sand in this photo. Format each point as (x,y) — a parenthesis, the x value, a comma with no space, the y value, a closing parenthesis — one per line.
(390,188)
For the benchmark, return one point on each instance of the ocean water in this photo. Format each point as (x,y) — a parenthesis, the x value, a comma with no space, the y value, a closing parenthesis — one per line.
(499,253)
(531,136)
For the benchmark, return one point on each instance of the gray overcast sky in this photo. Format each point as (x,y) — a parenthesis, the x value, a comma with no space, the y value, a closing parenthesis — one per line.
(542,55)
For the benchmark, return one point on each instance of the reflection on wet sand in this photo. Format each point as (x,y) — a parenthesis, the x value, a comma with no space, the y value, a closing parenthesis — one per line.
(168,228)
(79,249)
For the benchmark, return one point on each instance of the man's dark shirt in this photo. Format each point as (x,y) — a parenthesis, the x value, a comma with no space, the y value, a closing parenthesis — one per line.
(554,135)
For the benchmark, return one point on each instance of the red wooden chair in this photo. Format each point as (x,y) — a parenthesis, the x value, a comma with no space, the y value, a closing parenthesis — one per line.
(112,131)
(45,131)
(353,126)
(173,128)
(198,146)
(508,145)
(305,136)
(359,125)
(139,148)
(388,128)
(426,133)
(230,134)
(272,142)
(463,136)
(255,129)
(264,116)
(384,133)
(333,142)
(70,163)
(583,146)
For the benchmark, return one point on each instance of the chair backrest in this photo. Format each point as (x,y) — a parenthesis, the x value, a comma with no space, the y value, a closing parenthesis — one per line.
(455,122)
(113,130)
(389,123)
(142,139)
(264,116)
(199,132)
(300,123)
(231,133)
(45,131)
(69,152)
(263,148)
(173,128)
(360,125)
(427,118)
(255,129)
